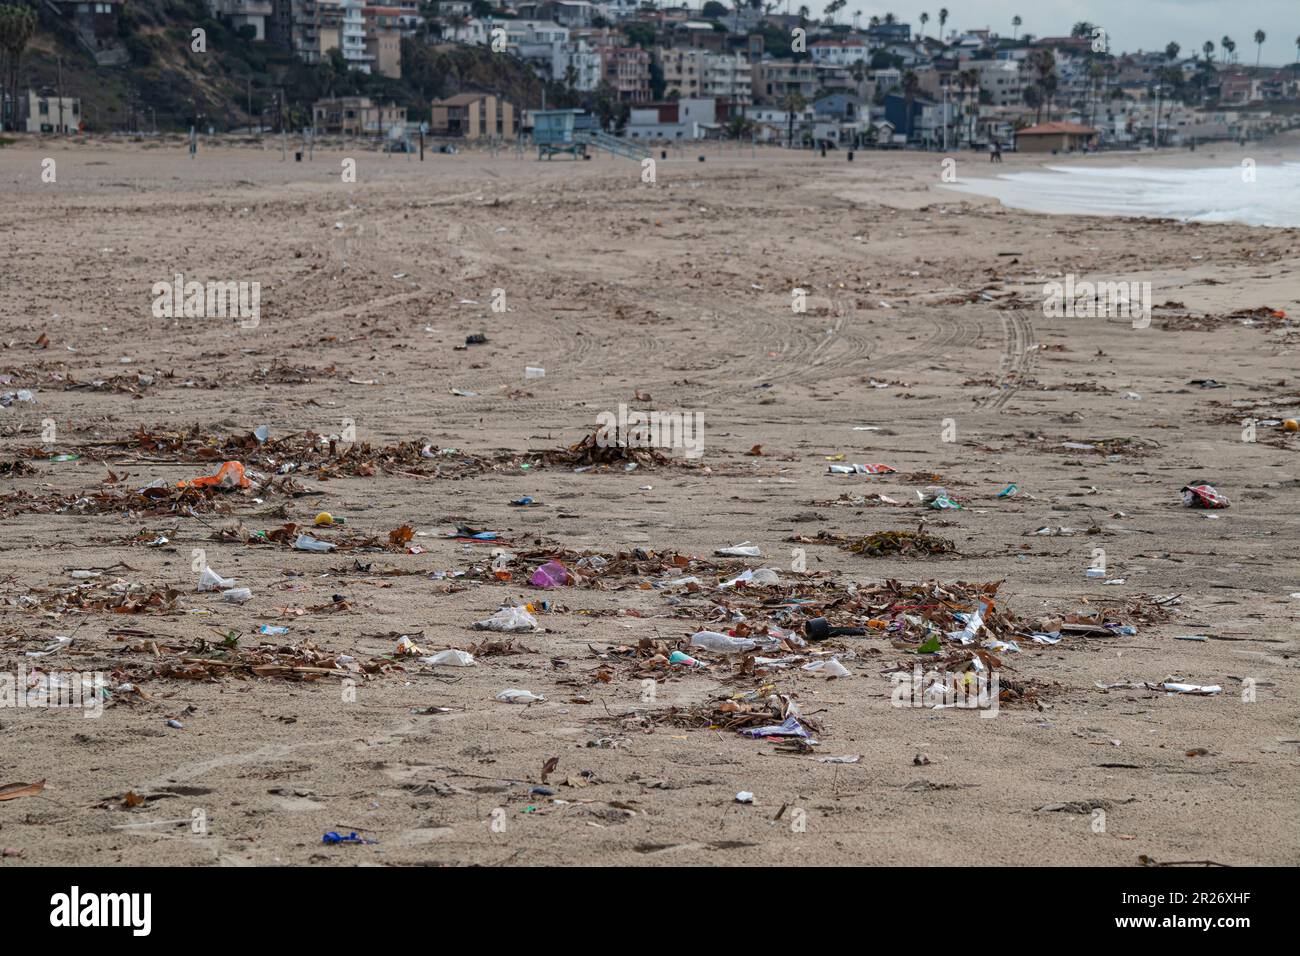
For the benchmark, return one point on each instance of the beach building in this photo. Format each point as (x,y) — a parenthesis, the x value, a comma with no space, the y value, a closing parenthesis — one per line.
(474,116)
(1055,137)
(355,116)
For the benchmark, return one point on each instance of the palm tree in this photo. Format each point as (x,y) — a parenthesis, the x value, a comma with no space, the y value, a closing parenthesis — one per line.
(793,103)
(911,83)
(1297,49)
(1260,37)
(925,18)
(1208,48)
(943,18)
(17,25)
(1043,63)
(1230,45)
(1015,26)
(1172,51)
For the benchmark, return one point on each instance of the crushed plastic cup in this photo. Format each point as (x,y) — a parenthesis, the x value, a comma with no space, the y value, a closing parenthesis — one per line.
(532,371)
(273,630)
(210,580)
(449,658)
(305,542)
(508,620)
(552,574)
(406,647)
(514,696)
(237,595)
(722,643)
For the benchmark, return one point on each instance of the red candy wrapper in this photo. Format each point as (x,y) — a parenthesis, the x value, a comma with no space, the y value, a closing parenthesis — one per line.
(1203,496)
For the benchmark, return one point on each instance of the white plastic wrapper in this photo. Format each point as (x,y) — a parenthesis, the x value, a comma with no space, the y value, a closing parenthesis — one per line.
(449,658)
(830,668)
(742,550)
(722,643)
(508,620)
(513,696)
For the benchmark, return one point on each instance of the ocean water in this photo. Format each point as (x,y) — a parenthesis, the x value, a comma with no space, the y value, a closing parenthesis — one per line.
(1209,194)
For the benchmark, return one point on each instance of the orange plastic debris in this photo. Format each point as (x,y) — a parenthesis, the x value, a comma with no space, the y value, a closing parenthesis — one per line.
(229,475)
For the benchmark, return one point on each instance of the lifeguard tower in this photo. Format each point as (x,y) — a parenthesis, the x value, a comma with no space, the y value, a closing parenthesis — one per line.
(574,132)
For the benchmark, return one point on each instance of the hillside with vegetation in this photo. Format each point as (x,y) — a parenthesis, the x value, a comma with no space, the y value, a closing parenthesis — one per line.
(238,82)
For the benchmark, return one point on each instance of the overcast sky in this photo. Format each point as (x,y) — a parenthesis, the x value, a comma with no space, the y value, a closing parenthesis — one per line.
(1132,24)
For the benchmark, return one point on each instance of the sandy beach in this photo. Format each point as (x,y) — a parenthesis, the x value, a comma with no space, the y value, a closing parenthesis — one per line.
(923,346)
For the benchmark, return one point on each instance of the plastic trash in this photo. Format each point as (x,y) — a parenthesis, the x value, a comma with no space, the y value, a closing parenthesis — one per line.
(512,696)
(532,371)
(508,620)
(830,668)
(305,542)
(790,727)
(938,499)
(677,657)
(722,643)
(210,580)
(272,630)
(1201,495)
(1094,572)
(818,629)
(229,475)
(762,577)
(1199,690)
(974,622)
(552,574)
(406,647)
(325,520)
(742,550)
(744,797)
(237,595)
(860,470)
(449,658)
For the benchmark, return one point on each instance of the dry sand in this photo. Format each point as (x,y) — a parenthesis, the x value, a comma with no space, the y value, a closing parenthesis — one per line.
(681,289)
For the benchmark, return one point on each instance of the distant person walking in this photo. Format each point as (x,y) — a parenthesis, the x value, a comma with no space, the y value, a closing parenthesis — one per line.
(995,152)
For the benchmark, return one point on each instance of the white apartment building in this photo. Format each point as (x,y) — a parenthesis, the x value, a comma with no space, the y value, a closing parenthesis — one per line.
(352,36)
(839,52)
(728,77)
(1002,80)
(582,59)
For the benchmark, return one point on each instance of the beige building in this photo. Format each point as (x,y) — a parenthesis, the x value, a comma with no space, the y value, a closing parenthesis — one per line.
(356,116)
(1059,137)
(684,70)
(774,80)
(384,47)
(51,114)
(474,116)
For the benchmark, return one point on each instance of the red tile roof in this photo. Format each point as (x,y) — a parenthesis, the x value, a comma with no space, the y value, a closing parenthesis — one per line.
(1055,129)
